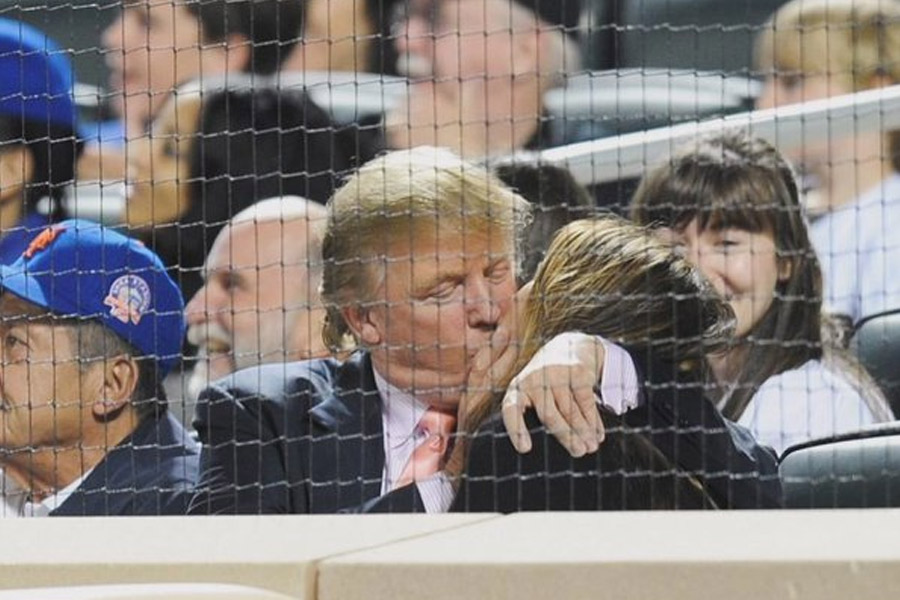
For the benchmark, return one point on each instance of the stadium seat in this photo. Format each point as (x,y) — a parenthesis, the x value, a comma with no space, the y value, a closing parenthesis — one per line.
(145,591)
(715,35)
(876,342)
(597,104)
(861,470)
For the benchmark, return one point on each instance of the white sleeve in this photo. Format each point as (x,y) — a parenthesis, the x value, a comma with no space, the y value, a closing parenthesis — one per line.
(619,387)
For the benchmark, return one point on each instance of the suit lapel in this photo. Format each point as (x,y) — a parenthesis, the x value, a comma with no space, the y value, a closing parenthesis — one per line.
(346,440)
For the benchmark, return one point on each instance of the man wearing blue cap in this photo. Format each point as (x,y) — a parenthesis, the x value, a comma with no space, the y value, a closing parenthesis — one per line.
(89,324)
(38,144)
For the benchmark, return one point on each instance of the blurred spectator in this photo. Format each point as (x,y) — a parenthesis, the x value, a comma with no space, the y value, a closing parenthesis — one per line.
(153,46)
(210,155)
(260,299)
(479,69)
(557,200)
(611,278)
(814,49)
(730,204)
(341,35)
(90,325)
(38,140)
(419,279)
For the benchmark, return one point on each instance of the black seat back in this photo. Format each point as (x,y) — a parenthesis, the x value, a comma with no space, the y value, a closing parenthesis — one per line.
(876,343)
(858,471)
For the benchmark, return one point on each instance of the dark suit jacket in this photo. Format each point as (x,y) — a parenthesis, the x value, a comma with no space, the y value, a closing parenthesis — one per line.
(691,434)
(152,472)
(307,438)
(294,438)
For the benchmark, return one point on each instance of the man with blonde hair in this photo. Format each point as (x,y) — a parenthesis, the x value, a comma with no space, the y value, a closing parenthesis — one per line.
(815,49)
(260,299)
(419,277)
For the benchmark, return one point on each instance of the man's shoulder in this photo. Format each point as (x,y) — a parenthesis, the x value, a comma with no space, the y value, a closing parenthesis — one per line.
(152,472)
(282,383)
(160,449)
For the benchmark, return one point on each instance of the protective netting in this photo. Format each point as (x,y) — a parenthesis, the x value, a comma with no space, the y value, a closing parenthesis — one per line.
(432,255)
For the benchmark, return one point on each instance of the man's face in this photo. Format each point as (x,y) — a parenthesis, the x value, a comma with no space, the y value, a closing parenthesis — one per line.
(454,40)
(254,305)
(45,396)
(151,48)
(441,298)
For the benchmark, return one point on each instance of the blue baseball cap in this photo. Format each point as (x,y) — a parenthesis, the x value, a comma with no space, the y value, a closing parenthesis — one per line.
(36,80)
(82,269)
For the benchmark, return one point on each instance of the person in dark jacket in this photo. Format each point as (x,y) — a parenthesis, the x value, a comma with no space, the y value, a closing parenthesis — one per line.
(217,148)
(611,278)
(90,323)
(419,277)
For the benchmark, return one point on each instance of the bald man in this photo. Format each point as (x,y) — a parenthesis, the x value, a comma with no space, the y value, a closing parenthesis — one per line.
(259,302)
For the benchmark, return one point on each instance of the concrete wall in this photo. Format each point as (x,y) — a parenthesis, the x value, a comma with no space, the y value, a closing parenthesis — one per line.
(793,555)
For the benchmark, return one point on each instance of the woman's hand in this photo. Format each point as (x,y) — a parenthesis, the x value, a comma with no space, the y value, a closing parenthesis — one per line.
(558,383)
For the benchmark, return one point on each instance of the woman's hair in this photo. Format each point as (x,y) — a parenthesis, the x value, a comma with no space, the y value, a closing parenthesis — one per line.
(856,42)
(853,40)
(54,150)
(612,278)
(735,181)
(557,198)
(251,144)
(271,27)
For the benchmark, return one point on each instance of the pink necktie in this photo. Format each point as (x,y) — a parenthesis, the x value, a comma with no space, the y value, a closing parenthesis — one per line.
(432,433)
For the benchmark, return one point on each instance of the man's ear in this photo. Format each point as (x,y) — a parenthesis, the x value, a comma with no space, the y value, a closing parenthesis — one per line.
(120,379)
(16,170)
(361,323)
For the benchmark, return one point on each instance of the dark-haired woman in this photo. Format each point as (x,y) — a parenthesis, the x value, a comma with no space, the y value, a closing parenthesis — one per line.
(210,155)
(611,278)
(730,204)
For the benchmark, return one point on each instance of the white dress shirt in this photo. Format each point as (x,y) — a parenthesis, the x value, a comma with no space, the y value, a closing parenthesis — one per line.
(808,402)
(14,497)
(401,412)
(17,502)
(859,248)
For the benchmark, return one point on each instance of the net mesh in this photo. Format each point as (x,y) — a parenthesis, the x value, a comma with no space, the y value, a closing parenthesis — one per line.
(431,255)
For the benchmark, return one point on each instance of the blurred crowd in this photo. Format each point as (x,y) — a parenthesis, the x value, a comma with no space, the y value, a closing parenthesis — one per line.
(387,314)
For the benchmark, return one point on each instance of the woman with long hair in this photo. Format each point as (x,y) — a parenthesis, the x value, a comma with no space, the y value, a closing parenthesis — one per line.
(611,278)
(730,204)
(216,149)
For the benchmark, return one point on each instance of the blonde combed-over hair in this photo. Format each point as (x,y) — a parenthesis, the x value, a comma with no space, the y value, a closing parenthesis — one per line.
(386,202)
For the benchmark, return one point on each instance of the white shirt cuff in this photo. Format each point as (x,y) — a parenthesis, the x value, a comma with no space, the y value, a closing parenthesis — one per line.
(437,493)
(619,387)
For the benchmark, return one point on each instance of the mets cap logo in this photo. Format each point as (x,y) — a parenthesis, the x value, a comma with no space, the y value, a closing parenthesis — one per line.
(128,298)
(43,240)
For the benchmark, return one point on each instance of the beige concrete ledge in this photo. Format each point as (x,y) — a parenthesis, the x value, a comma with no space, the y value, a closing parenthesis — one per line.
(277,553)
(145,591)
(792,555)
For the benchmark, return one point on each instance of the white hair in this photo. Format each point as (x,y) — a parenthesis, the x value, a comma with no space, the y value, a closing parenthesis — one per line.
(289,210)
(284,208)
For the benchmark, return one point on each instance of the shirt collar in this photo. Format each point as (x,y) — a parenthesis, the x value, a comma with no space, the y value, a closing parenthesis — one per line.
(401,411)
(54,501)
